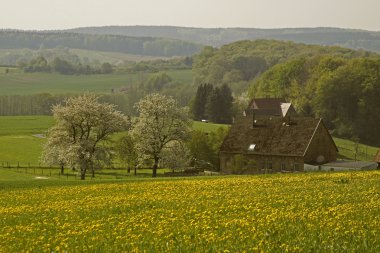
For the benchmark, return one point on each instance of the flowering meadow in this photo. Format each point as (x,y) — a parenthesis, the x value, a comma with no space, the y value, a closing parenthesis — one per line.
(317,212)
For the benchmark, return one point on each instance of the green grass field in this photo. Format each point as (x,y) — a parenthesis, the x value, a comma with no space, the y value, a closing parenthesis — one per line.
(207,127)
(306,212)
(33,83)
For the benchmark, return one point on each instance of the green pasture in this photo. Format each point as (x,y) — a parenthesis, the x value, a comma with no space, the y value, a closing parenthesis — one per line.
(21,139)
(112,57)
(207,127)
(347,150)
(24,125)
(33,83)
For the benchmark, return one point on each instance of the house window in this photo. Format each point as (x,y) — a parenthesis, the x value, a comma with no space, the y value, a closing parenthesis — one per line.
(269,165)
(297,167)
(283,166)
(251,147)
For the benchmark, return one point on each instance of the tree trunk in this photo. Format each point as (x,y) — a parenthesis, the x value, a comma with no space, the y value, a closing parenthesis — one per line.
(82,174)
(135,170)
(155,166)
(83,169)
(62,169)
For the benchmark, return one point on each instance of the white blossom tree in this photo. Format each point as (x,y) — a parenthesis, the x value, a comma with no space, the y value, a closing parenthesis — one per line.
(82,125)
(160,123)
(175,156)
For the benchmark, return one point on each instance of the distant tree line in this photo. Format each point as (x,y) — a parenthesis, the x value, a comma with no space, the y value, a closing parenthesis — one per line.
(41,104)
(159,65)
(110,43)
(40,64)
(217,37)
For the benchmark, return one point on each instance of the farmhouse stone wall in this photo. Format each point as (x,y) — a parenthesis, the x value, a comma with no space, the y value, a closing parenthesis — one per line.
(256,163)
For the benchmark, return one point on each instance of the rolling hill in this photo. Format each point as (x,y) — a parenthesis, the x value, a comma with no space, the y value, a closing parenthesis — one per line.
(350,38)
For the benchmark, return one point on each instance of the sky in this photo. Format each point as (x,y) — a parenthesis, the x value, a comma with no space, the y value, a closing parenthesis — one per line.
(62,14)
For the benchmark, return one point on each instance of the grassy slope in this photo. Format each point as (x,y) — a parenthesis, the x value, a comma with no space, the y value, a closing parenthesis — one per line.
(207,127)
(32,83)
(17,143)
(111,57)
(346,149)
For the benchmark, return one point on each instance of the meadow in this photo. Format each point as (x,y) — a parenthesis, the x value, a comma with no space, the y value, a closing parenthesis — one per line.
(18,83)
(305,212)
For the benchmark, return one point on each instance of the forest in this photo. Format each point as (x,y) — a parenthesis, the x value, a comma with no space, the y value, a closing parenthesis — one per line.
(10,39)
(217,37)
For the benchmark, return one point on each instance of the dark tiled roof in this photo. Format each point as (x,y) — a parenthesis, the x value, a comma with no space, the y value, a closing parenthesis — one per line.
(271,135)
(270,106)
(377,157)
(266,103)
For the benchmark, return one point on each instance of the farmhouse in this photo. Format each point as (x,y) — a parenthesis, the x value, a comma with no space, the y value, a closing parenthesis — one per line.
(257,144)
(271,107)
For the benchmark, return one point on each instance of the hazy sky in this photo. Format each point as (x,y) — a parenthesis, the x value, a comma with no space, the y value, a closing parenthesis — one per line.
(60,14)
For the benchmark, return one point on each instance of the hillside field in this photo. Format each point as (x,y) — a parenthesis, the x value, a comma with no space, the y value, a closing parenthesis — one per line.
(306,212)
(17,83)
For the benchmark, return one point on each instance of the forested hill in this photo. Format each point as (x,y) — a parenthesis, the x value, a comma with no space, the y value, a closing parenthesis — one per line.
(113,43)
(355,39)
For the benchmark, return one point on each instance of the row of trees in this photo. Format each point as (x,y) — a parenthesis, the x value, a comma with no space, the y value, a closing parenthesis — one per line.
(161,135)
(213,103)
(40,64)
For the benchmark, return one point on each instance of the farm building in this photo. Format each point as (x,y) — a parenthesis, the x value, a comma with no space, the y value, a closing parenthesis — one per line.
(271,107)
(342,166)
(257,144)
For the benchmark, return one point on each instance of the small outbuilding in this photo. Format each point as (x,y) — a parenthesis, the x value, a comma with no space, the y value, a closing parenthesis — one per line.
(342,166)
